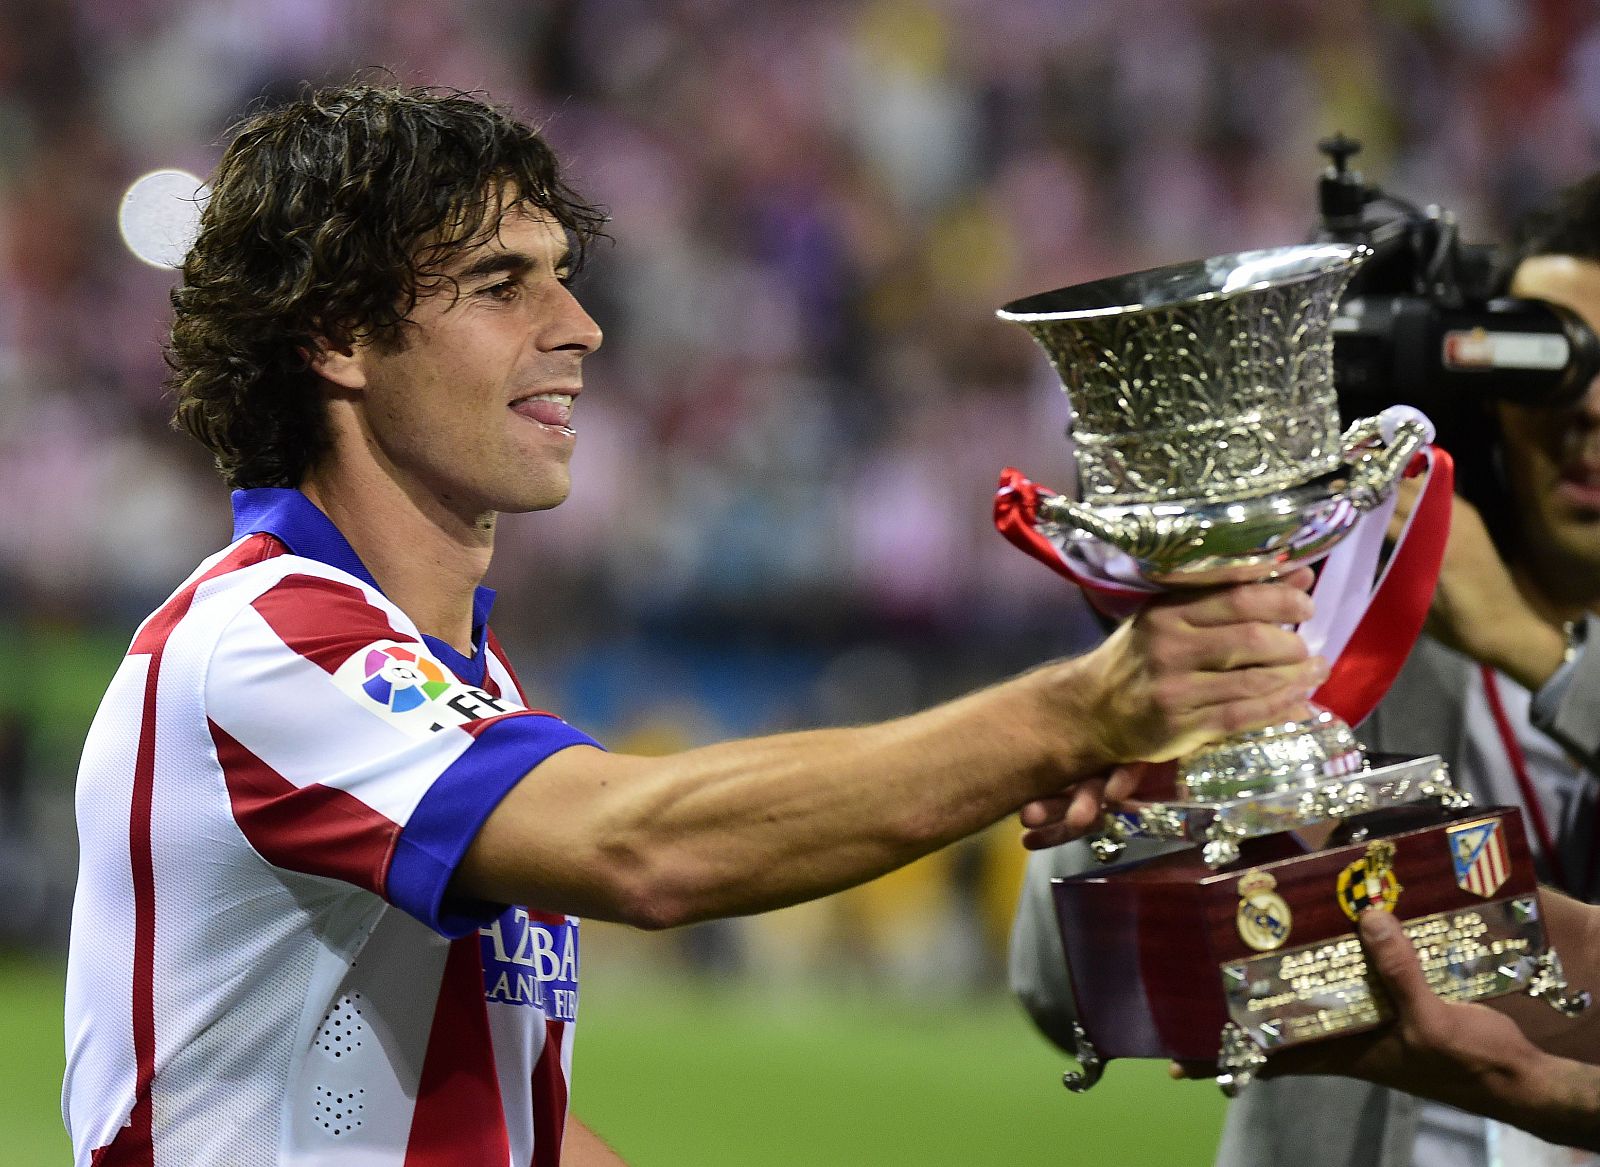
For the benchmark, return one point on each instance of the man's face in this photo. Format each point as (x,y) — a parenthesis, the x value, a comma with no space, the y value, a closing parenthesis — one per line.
(1553,455)
(475,410)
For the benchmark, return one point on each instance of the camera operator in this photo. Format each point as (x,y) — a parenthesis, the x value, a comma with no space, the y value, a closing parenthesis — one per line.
(1502,688)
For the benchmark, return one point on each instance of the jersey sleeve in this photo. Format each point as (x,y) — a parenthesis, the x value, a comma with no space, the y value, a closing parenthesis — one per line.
(347,751)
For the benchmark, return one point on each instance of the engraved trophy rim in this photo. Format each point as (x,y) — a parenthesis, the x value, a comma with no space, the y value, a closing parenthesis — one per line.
(1218,277)
(1293,525)
(1199,541)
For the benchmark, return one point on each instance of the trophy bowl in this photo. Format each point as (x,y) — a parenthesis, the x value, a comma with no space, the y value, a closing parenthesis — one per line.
(1209,381)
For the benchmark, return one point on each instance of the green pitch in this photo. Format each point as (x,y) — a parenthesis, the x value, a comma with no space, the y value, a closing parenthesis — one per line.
(682,1074)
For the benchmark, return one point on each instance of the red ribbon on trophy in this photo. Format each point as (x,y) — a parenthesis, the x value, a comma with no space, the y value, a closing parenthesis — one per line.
(1016,511)
(1386,613)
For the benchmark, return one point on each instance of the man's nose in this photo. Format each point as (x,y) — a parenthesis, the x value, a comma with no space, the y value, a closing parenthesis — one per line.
(570,326)
(1588,405)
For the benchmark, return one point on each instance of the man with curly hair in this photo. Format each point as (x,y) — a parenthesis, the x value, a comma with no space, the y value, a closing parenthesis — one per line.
(333,858)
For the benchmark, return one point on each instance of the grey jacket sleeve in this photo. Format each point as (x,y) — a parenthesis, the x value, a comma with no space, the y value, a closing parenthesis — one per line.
(1568,707)
(1037,962)
(1318,1122)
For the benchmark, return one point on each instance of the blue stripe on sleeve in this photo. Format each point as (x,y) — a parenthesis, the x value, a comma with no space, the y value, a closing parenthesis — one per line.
(455,808)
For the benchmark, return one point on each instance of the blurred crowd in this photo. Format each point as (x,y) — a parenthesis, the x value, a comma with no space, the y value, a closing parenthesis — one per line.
(789,442)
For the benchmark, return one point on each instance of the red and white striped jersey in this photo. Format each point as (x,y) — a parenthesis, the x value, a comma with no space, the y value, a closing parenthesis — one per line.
(266,965)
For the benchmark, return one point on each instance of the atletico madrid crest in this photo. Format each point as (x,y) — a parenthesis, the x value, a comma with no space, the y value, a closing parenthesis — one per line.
(1479,853)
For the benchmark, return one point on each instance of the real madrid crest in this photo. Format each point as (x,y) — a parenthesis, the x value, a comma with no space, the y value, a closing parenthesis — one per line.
(1370,881)
(1263,917)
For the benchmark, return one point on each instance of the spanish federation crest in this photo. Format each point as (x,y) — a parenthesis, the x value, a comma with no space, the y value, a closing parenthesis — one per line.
(1370,881)
(1478,851)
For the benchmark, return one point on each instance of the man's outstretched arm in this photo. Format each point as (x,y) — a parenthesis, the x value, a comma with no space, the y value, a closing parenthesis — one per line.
(750,825)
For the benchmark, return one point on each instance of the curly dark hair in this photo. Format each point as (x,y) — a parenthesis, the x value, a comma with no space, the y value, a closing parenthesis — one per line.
(328,217)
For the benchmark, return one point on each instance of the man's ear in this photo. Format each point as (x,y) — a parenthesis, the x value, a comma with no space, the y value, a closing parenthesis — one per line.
(340,365)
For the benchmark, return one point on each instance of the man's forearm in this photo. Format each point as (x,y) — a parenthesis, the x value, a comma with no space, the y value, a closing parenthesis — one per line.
(583,1148)
(1561,1104)
(1574,933)
(751,825)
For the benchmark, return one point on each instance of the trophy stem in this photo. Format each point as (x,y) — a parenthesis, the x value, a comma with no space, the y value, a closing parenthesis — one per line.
(1279,757)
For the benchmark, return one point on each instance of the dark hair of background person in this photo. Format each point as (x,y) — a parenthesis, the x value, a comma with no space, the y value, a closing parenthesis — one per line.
(328,218)
(1568,223)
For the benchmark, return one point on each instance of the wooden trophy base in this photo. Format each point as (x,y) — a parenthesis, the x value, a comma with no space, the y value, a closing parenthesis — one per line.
(1171,959)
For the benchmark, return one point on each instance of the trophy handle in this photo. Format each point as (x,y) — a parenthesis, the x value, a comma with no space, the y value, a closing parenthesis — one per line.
(1376,470)
(1549,984)
(1088,1057)
(1238,1060)
(1144,536)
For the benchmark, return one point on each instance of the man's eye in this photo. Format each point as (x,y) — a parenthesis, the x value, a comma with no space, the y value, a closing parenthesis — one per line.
(504,290)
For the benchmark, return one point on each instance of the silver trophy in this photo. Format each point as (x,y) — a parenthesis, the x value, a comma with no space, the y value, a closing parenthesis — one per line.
(1209,451)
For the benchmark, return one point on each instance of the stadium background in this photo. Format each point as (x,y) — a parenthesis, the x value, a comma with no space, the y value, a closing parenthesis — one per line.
(788,443)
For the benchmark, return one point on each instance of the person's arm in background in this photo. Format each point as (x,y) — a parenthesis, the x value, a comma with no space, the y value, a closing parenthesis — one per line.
(1567,707)
(1036,962)
(1479,611)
